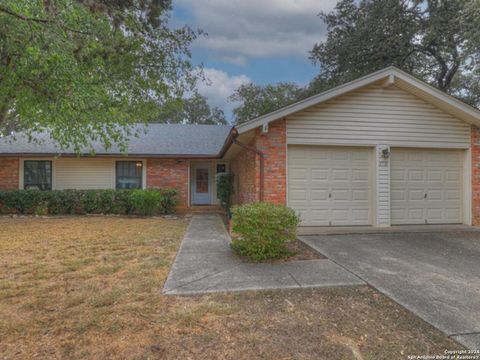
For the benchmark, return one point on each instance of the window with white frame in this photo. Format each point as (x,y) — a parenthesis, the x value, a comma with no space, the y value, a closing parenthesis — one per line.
(37,174)
(128,174)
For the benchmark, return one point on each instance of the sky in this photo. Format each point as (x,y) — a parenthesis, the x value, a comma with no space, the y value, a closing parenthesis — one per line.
(259,41)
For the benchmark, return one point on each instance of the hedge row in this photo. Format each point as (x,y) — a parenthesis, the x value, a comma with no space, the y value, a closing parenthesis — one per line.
(60,202)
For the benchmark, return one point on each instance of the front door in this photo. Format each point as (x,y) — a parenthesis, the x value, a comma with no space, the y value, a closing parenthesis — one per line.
(201,185)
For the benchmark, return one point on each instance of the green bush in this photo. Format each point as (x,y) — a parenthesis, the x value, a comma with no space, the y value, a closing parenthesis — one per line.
(168,200)
(61,202)
(146,202)
(225,190)
(263,230)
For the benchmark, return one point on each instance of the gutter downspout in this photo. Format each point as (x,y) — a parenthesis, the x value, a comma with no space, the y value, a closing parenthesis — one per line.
(262,158)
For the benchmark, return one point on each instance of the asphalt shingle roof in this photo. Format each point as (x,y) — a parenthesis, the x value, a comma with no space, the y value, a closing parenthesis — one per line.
(160,139)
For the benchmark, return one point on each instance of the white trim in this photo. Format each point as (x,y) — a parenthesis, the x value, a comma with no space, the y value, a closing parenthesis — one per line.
(21,177)
(467,187)
(368,143)
(189,201)
(205,164)
(286,175)
(144,171)
(382,187)
(466,112)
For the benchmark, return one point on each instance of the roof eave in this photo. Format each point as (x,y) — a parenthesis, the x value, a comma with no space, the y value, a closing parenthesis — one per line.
(112,155)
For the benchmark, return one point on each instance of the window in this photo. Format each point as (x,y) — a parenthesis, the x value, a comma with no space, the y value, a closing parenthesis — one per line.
(221,168)
(129,174)
(37,174)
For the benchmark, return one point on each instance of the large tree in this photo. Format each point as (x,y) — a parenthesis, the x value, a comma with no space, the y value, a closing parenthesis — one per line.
(256,100)
(84,70)
(436,40)
(192,110)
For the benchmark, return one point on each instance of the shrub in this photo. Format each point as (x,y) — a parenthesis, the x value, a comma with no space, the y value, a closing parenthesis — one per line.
(146,202)
(263,230)
(225,190)
(59,202)
(168,200)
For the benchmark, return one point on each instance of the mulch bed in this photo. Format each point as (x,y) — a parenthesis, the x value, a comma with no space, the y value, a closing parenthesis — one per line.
(302,252)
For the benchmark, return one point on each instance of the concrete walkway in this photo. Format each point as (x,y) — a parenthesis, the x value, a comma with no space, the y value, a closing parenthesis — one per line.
(205,263)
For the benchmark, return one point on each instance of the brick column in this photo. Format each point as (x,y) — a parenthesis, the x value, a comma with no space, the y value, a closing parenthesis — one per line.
(273,144)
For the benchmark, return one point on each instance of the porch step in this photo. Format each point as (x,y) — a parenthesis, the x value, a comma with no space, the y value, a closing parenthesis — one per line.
(205,209)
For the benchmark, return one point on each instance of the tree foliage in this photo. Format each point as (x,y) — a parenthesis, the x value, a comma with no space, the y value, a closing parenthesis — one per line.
(256,100)
(435,40)
(85,70)
(192,110)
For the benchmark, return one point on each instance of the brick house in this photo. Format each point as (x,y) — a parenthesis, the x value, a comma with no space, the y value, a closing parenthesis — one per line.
(381,150)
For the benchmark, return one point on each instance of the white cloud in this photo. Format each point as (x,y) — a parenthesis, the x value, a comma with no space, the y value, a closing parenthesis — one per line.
(253,28)
(220,86)
(234,59)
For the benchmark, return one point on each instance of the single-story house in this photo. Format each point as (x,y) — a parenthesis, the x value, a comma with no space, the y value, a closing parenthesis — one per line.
(382,150)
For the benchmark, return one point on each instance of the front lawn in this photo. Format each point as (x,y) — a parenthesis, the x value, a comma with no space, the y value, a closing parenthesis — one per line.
(89,287)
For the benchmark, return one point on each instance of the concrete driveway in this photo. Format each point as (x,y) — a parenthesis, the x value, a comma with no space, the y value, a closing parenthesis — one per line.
(435,274)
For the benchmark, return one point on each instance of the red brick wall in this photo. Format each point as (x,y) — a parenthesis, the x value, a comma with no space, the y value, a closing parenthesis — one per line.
(172,173)
(246,187)
(475,137)
(9,174)
(246,167)
(274,147)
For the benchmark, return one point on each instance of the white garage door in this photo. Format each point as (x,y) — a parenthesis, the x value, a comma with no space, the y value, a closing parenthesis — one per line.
(330,185)
(426,186)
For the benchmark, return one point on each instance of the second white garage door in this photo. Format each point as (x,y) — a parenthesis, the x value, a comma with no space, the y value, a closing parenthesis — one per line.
(426,186)
(330,185)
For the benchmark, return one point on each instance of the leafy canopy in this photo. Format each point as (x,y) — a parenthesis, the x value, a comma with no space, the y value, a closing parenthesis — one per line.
(255,100)
(435,40)
(192,110)
(85,70)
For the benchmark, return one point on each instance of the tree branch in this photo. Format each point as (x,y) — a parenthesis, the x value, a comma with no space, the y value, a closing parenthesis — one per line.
(40,21)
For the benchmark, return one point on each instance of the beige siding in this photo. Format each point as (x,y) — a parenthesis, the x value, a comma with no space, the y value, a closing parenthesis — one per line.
(84,173)
(382,188)
(376,115)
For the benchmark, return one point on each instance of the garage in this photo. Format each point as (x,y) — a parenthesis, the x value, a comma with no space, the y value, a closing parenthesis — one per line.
(426,186)
(331,186)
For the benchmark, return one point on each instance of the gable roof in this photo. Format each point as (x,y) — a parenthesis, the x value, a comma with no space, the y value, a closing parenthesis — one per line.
(390,76)
(160,140)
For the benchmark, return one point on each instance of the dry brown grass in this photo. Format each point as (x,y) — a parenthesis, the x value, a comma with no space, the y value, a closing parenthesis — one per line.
(89,288)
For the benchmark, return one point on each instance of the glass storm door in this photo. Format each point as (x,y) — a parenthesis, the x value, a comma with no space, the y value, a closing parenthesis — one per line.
(201,185)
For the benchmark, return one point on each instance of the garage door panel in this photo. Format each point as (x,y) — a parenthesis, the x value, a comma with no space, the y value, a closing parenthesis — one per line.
(398,195)
(433,192)
(416,175)
(337,184)
(453,176)
(298,175)
(319,194)
(319,174)
(298,195)
(360,194)
(453,195)
(398,175)
(434,175)
(318,217)
(416,195)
